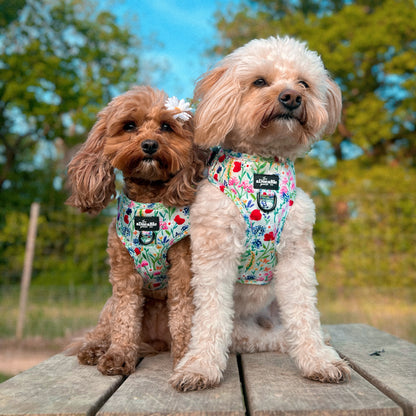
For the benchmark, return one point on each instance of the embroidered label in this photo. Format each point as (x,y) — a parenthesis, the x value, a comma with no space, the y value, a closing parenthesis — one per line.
(270,182)
(146,223)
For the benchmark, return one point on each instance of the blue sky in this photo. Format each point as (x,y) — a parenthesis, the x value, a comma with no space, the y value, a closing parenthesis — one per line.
(176,34)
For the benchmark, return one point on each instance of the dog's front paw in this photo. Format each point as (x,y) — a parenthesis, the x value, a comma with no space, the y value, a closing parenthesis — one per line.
(118,361)
(90,353)
(192,376)
(335,372)
(327,367)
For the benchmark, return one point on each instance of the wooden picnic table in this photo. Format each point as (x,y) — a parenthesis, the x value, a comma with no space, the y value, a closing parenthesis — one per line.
(383,383)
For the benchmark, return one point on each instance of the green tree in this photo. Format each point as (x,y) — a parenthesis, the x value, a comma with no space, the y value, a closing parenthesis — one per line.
(60,62)
(9,10)
(365,227)
(369,47)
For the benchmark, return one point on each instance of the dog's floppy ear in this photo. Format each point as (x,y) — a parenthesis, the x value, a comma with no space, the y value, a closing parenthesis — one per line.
(219,91)
(334,106)
(181,189)
(90,174)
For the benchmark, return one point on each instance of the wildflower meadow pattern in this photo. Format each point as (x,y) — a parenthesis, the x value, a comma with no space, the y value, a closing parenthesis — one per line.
(149,248)
(234,174)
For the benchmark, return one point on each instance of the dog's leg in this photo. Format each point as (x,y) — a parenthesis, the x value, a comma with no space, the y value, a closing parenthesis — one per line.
(180,299)
(296,296)
(97,341)
(126,310)
(218,235)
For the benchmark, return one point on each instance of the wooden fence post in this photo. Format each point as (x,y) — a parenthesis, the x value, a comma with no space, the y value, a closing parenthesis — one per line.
(27,267)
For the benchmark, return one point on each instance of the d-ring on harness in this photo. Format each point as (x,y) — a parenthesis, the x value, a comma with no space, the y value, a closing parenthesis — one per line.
(150,238)
(262,201)
(263,189)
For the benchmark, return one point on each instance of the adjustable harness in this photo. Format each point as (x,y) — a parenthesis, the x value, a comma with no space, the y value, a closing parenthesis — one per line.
(263,189)
(148,231)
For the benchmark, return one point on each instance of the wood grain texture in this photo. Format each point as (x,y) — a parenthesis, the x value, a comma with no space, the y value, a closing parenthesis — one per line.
(58,386)
(147,392)
(274,386)
(386,361)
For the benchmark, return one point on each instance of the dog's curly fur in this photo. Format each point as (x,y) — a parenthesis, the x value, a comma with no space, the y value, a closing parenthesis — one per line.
(245,107)
(135,321)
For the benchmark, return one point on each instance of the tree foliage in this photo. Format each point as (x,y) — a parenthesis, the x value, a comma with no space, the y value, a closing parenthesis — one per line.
(370,49)
(362,180)
(60,62)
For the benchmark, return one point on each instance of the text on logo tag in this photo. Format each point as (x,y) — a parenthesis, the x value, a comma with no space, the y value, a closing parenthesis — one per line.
(270,182)
(146,223)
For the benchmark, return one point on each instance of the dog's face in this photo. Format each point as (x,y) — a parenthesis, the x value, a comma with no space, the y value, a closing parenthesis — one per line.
(137,134)
(271,97)
(142,137)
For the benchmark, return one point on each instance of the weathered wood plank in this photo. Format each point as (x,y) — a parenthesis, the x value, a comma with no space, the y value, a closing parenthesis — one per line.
(147,392)
(386,361)
(58,386)
(274,386)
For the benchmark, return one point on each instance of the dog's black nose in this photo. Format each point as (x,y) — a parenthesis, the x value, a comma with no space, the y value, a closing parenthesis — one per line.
(290,99)
(150,146)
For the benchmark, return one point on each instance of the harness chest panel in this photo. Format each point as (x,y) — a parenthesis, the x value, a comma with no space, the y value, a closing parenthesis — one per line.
(263,189)
(148,231)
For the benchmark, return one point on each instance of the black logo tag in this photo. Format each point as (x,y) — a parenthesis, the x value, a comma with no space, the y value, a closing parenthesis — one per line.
(270,182)
(146,223)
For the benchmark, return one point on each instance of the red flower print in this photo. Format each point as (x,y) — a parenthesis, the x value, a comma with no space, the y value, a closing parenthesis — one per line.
(290,203)
(255,215)
(221,158)
(216,177)
(179,220)
(269,237)
(237,167)
(148,211)
(126,219)
(222,187)
(137,251)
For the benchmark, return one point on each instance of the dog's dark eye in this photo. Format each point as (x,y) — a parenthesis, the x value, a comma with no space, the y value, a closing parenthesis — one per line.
(165,127)
(304,84)
(129,126)
(260,82)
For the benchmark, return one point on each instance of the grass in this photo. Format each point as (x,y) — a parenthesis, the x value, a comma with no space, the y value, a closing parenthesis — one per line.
(56,312)
(4,377)
(52,312)
(389,309)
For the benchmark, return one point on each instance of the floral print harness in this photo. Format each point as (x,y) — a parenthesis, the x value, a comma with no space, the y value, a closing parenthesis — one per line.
(148,231)
(263,189)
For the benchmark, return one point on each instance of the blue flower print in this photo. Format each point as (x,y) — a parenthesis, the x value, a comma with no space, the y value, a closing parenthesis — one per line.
(256,243)
(259,230)
(250,204)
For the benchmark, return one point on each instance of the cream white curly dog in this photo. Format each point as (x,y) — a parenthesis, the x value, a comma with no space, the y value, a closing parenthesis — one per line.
(263,105)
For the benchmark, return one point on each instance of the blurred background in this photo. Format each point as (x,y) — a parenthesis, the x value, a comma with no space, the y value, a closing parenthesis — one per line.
(61,61)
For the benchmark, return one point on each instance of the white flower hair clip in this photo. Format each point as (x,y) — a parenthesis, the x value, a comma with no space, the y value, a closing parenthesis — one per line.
(182,106)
